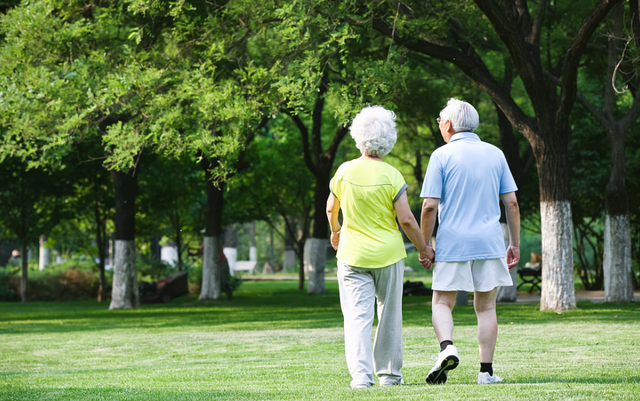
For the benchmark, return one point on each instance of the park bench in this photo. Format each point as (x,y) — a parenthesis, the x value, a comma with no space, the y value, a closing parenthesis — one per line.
(245,265)
(531,273)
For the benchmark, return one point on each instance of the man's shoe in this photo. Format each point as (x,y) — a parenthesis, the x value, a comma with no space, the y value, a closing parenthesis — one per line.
(486,378)
(447,360)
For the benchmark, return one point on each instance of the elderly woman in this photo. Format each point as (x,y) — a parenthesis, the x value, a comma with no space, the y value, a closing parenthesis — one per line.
(371,253)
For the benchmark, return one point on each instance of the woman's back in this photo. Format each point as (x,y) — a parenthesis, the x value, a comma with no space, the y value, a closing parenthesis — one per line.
(367,190)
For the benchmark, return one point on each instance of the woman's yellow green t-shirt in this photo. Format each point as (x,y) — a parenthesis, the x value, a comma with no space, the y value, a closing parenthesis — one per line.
(367,190)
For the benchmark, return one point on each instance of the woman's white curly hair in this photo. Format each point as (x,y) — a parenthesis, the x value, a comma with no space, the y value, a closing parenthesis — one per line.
(374,130)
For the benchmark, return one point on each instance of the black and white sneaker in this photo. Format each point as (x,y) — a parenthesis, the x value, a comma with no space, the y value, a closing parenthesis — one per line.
(447,360)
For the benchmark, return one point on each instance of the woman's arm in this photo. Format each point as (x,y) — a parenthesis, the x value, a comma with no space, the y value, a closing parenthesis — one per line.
(333,209)
(410,227)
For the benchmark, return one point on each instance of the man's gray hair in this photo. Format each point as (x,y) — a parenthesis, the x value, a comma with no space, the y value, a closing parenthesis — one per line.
(463,116)
(374,130)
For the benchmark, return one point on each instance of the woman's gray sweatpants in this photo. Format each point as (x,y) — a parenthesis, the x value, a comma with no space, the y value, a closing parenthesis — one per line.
(358,289)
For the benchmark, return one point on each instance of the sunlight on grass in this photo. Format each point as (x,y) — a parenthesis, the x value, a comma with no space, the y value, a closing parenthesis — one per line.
(273,342)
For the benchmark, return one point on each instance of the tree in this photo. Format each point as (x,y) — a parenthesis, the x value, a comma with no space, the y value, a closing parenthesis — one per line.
(617,229)
(276,187)
(31,202)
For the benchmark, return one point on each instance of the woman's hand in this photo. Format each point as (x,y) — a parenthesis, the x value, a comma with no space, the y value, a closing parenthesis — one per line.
(335,240)
(427,257)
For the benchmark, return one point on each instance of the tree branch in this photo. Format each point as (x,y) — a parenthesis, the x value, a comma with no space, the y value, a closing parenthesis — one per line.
(304,133)
(569,89)
(536,31)
(471,64)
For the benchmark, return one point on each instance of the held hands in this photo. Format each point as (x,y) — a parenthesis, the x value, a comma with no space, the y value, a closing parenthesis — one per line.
(513,256)
(427,257)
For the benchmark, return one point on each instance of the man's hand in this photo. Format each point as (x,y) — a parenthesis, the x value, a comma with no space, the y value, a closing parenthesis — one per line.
(427,258)
(335,240)
(513,256)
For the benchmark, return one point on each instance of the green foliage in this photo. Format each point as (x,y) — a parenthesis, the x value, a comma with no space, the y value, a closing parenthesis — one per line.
(73,280)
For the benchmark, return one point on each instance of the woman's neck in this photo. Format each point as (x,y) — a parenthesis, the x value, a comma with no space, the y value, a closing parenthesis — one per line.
(367,157)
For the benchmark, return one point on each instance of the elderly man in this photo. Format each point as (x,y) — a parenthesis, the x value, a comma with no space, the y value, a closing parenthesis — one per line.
(464,181)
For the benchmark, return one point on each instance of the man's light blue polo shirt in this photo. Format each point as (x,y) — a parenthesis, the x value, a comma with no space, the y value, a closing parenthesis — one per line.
(468,176)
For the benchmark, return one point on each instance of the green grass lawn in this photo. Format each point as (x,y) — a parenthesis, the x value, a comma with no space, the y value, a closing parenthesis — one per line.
(272,342)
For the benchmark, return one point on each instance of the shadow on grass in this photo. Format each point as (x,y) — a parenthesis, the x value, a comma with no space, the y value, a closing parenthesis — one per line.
(268,306)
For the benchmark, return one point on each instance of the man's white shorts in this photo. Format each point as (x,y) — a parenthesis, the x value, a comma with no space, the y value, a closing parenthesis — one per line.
(480,275)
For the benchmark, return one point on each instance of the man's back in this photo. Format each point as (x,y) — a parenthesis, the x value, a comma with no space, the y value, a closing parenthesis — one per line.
(468,175)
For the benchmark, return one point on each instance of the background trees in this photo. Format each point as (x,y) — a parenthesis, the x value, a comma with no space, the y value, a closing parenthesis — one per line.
(190,106)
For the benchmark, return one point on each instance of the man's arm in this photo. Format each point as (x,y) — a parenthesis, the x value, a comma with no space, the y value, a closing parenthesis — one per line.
(428,218)
(512,211)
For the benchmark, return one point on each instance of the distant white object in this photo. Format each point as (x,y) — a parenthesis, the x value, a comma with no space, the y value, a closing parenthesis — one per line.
(289,260)
(232,256)
(58,259)
(44,256)
(169,254)
(246,265)
(408,269)
(253,253)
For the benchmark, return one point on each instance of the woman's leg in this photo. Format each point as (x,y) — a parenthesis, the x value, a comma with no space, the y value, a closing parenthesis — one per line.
(357,297)
(387,347)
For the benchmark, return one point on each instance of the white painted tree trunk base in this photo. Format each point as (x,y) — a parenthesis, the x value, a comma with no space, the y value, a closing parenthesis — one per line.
(253,254)
(510,293)
(44,254)
(232,257)
(558,291)
(617,259)
(124,294)
(315,255)
(289,260)
(211,277)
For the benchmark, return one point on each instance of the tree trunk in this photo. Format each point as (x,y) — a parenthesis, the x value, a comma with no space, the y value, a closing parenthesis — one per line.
(289,252)
(179,247)
(316,247)
(124,294)
(44,254)
(315,255)
(100,241)
(301,248)
(231,247)
(211,274)
(558,292)
(25,272)
(211,267)
(253,250)
(617,266)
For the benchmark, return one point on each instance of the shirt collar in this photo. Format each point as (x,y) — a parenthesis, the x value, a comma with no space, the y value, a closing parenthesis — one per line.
(464,135)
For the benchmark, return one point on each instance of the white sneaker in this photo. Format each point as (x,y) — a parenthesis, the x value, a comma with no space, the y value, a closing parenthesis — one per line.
(447,360)
(486,378)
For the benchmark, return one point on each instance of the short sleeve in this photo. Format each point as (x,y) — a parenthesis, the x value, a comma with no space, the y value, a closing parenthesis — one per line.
(507,183)
(432,185)
(334,184)
(399,185)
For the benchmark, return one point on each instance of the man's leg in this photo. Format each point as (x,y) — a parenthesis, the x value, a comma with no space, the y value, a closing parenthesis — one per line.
(387,347)
(485,306)
(357,297)
(442,319)
(441,307)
